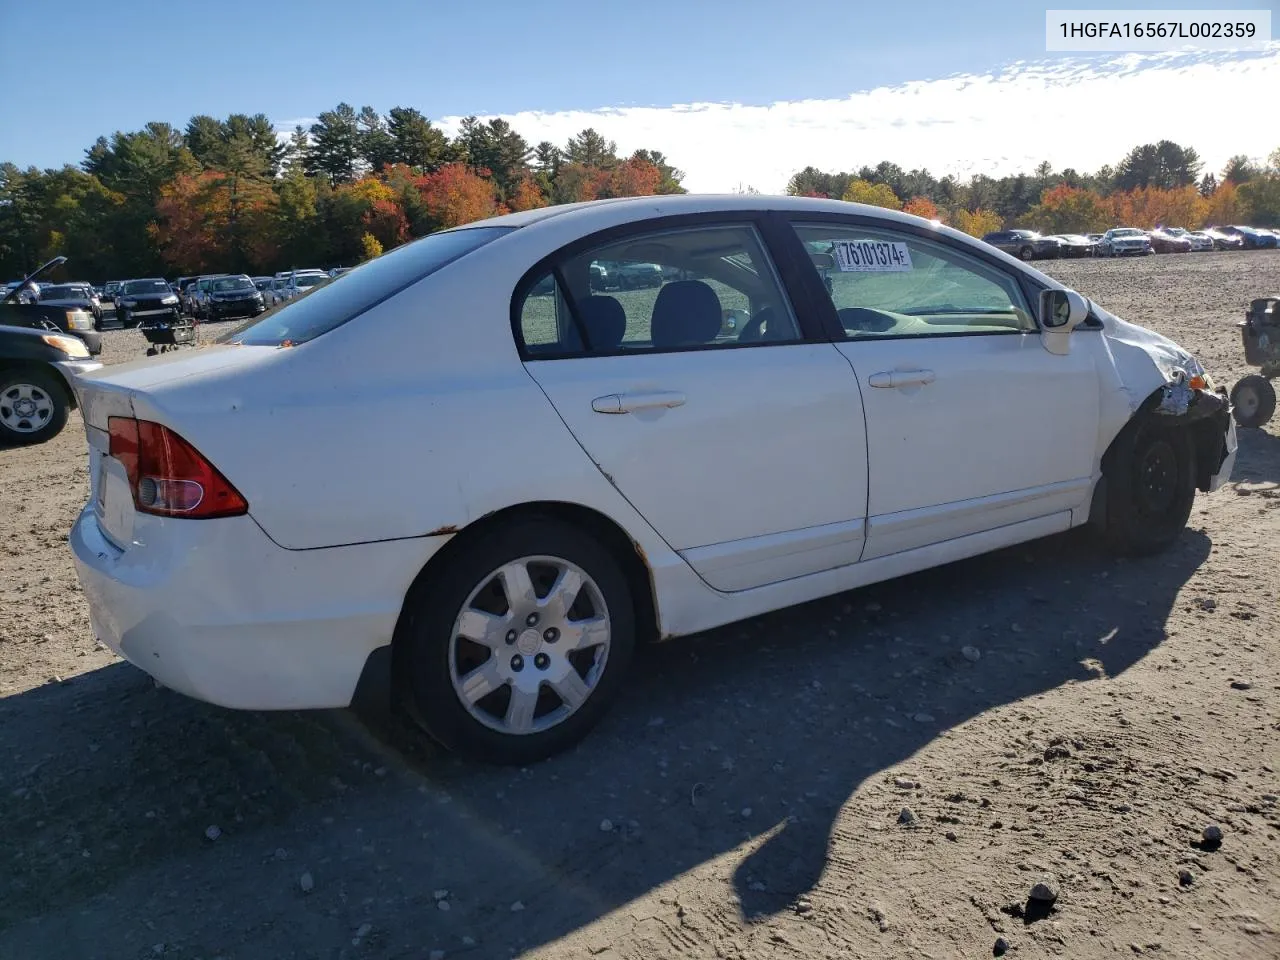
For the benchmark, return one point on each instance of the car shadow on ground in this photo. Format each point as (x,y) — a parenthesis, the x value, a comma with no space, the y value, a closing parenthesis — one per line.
(133,816)
(1258,457)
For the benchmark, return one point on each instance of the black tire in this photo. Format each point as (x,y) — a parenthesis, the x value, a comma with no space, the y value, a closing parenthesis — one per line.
(425,641)
(1151,486)
(1253,400)
(1026,253)
(46,383)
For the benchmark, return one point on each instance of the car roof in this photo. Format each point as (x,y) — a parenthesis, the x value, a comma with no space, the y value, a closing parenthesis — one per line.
(625,209)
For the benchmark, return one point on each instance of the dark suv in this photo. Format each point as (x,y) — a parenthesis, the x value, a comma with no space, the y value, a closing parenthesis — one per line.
(1024,244)
(140,299)
(232,296)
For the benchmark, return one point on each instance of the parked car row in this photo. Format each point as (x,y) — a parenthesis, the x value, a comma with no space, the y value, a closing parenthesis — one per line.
(1131,241)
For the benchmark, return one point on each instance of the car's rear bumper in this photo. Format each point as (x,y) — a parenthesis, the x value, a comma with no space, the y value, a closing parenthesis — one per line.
(216,610)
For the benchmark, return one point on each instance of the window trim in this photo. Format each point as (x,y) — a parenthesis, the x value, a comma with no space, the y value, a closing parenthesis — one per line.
(778,254)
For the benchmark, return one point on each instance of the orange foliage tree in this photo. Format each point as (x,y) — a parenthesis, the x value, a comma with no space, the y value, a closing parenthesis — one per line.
(632,178)
(186,226)
(976,223)
(922,207)
(1064,209)
(212,219)
(1149,207)
(1225,206)
(454,195)
(527,196)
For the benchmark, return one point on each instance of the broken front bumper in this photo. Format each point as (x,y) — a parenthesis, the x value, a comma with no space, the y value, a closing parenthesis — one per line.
(1229,446)
(1208,414)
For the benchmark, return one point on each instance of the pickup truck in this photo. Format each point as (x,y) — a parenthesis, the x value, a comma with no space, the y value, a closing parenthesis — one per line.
(42,316)
(38,371)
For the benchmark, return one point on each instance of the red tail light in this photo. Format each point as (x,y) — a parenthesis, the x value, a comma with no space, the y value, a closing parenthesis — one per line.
(168,476)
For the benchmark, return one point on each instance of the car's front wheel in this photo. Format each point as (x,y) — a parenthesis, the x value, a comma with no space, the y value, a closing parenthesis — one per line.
(33,406)
(1150,472)
(516,648)
(1026,253)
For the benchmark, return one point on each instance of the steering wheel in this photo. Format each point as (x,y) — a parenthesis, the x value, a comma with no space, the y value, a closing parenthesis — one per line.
(754,329)
(865,319)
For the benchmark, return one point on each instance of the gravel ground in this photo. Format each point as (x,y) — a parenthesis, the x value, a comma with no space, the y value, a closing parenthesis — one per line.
(885,773)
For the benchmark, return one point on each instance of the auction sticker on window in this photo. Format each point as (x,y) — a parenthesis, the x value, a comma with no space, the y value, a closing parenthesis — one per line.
(871,256)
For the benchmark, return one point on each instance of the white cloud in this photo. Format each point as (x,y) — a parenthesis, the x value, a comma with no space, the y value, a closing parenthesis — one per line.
(1075,112)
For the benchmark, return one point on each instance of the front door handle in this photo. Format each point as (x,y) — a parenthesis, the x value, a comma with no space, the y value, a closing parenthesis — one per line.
(901,378)
(630,402)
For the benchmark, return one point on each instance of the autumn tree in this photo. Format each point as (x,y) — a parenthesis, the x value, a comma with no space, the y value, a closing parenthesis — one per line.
(875,194)
(921,207)
(632,178)
(369,247)
(668,176)
(576,182)
(1225,207)
(976,223)
(1064,209)
(455,195)
(527,196)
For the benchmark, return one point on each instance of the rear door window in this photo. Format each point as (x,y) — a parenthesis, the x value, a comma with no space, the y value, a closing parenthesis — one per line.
(687,288)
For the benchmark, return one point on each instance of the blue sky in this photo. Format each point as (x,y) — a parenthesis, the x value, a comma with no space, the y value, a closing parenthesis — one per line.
(769,67)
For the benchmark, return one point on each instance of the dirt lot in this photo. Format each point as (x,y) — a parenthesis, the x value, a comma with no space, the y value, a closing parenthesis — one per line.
(746,798)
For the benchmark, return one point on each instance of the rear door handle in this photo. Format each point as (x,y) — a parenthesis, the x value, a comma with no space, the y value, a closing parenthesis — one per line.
(901,378)
(630,402)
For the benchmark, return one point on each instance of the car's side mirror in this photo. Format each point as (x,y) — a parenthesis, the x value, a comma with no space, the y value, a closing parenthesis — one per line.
(1061,311)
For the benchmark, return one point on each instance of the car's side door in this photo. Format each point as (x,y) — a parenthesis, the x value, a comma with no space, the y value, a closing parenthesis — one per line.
(734,431)
(971,423)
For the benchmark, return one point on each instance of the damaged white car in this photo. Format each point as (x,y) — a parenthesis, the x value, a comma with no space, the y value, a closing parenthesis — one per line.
(460,480)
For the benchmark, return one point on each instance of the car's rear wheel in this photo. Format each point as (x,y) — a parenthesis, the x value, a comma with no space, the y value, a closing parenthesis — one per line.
(1253,400)
(33,406)
(1026,253)
(520,643)
(1150,487)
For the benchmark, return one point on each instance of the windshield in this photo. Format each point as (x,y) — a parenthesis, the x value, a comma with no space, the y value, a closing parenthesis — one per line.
(339,301)
(145,286)
(62,292)
(1126,233)
(262,283)
(311,279)
(232,283)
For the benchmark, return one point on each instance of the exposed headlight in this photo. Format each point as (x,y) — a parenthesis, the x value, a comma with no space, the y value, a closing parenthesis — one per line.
(71,346)
(79,320)
(169,300)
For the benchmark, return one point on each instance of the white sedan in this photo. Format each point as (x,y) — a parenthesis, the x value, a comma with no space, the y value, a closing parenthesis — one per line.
(459,480)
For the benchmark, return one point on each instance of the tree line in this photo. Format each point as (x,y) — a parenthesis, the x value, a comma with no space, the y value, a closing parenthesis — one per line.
(229,195)
(1154,184)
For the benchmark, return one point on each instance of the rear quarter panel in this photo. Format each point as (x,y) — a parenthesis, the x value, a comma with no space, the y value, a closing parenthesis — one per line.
(414,419)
